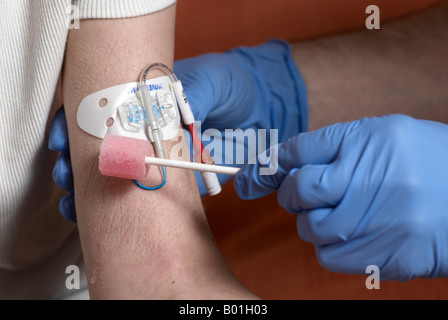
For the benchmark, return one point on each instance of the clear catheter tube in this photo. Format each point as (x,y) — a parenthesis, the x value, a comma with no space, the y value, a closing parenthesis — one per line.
(153,130)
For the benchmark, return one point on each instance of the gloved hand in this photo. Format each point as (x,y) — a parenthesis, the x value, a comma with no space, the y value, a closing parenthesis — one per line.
(368,192)
(62,171)
(246,88)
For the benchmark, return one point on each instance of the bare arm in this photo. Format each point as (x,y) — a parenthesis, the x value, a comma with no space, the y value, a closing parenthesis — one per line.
(401,68)
(137,244)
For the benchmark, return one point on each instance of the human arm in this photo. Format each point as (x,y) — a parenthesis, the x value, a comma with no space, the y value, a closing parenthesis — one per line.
(136,244)
(400,68)
(348,76)
(246,89)
(339,91)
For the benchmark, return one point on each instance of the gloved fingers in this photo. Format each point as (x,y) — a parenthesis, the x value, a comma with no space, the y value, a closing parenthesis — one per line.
(305,148)
(249,184)
(333,223)
(267,173)
(318,147)
(58,140)
(62,172)
(67,207)
(310,227)
(339,257)
(312,187)
(327,226)
(322,195)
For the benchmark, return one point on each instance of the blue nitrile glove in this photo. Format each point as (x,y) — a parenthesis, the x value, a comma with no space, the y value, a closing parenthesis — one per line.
(247,88)
(62,171)
(368,192)
(244,88)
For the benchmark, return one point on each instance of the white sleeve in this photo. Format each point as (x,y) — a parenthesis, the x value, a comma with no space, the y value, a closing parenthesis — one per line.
(36,245)
(111,9)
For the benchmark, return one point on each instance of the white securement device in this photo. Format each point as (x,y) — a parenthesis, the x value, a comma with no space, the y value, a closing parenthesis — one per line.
(152,110)
(117,111)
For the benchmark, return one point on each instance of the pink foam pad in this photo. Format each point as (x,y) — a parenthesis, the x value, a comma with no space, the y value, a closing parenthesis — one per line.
(124,157)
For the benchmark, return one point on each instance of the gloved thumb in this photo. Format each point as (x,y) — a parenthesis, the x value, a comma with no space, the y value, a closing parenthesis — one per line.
(58,139)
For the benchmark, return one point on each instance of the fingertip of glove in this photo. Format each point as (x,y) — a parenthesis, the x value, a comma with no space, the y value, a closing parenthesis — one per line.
(67,207)
(62,172)
(54,141)
(58,137)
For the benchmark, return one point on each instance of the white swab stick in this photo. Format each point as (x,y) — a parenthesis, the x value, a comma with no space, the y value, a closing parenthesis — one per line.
(191,165)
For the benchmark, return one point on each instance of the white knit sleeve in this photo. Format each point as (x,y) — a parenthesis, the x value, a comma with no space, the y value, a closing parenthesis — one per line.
(111,9)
